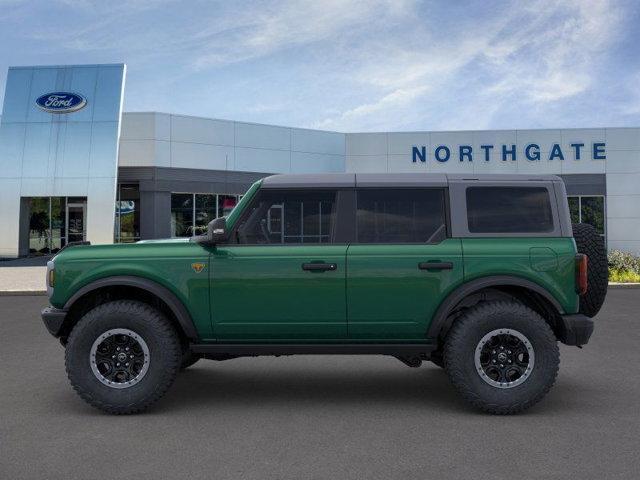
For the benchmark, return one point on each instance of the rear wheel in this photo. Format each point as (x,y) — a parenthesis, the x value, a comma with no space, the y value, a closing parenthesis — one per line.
(122,356)
(592,245)
(502,357)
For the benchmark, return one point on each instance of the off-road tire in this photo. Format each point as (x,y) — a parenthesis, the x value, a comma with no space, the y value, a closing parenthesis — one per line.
(188,359)
(464,337)
(591,244)
(164,352)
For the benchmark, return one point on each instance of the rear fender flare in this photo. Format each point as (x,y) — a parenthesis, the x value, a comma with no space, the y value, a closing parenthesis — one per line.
(440,318)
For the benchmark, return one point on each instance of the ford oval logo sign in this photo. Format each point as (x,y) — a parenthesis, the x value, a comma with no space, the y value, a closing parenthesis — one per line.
(61,102)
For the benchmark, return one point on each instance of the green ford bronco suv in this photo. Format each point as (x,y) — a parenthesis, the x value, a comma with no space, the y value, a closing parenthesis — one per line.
(481,275)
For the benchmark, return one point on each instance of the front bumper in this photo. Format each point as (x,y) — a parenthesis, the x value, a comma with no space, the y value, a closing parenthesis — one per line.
(575,329)
(53,319)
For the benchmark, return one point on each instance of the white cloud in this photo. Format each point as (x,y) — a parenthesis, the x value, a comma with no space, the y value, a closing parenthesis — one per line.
(530,54)
(348,64)
(286,24)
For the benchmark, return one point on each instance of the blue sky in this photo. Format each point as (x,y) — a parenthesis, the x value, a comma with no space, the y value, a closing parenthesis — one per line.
(350,65)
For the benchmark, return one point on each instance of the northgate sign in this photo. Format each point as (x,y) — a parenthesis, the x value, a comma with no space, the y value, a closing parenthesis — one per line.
(531,152)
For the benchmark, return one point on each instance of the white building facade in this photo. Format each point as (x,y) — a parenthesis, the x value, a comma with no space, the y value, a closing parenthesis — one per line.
(175,173)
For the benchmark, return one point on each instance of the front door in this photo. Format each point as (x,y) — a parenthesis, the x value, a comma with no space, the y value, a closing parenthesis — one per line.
(76,216)
(283,275)
(401,265)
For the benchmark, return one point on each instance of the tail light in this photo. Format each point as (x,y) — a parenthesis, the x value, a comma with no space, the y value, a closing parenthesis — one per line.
(581,273)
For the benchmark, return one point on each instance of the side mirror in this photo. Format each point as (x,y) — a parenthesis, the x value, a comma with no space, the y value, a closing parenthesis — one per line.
(217,231)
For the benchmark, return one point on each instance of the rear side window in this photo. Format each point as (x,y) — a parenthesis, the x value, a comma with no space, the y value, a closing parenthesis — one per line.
(509,210)
(401,216)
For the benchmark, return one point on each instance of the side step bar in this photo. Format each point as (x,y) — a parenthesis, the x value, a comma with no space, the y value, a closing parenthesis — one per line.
(259,349)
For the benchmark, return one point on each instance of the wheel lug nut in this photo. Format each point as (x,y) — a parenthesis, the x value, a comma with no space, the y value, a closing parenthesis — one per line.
(509,352)
(117,364)
(509,361)
(113,356)
(126,364)
(127,349)
(501,366)
(130,356)
(493,351)
(501,348)
(118,348)
(494,361)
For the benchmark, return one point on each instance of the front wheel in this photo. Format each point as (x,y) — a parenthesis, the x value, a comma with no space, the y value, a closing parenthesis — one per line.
(502,357)
(122,356)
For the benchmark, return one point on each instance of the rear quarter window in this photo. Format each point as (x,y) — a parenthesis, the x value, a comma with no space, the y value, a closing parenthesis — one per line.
(495,209)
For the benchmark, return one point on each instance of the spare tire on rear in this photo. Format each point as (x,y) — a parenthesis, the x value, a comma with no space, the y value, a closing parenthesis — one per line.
(592,245)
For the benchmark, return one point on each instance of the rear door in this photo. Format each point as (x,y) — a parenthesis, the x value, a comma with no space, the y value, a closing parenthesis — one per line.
(402,263)
(284,278)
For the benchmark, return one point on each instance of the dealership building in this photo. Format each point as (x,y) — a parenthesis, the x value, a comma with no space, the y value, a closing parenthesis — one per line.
(74,167)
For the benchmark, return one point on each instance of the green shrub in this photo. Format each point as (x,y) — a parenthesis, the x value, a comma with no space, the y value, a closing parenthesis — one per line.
(623,267)
(621,276)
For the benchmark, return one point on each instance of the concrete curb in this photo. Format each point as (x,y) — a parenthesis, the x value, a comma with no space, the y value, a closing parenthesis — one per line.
(624,285)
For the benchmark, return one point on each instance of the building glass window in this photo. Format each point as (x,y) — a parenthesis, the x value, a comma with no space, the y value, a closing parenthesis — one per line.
(192,212)
(574,209)
(39,226)
(54,222)
(588,209)
(181,214)
(226,203)
(205,212)
(127,228)
(59,224)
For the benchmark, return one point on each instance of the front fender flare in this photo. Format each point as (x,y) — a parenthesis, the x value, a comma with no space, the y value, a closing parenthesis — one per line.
(440,318)
(173,302)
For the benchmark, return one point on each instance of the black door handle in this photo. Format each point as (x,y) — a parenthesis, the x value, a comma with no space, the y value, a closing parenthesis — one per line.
(319,267)
(435,265)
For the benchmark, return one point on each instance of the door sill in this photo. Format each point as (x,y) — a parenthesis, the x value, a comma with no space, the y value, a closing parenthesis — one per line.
(259,349)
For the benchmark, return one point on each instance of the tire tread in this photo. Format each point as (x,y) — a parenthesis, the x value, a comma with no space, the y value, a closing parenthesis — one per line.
(165,332)
(454,368)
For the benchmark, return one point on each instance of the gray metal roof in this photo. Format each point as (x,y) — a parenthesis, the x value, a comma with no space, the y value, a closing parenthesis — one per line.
(345,180)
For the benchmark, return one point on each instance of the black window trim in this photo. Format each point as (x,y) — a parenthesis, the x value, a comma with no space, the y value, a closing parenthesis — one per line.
(550,200)
(458,197)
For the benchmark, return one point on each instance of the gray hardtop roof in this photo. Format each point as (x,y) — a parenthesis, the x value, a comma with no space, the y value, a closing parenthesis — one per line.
(346,180)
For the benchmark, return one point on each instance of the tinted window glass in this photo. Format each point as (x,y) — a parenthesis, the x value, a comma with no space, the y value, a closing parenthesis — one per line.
(401,216)
(509,210)
(279,217)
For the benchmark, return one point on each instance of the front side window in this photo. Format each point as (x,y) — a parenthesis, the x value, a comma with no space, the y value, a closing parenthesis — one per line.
(401,216)
(289,217)
(509,210)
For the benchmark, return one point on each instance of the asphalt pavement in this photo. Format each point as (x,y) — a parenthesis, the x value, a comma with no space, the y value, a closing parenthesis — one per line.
(321,417)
